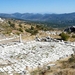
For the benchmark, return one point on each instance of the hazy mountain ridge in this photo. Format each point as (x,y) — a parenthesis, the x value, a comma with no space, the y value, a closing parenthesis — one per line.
(42,17)
(59,19)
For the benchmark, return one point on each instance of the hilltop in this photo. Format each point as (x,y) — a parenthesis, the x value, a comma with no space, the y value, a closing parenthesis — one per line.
(30,30)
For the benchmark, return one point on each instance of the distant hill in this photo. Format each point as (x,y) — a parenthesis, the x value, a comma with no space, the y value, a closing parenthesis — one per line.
(63,19)
(40,17)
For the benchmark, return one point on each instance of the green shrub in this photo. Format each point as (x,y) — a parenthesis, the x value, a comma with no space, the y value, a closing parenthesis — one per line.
(28,30)
(32,31)
(71,59)
(73,36)
(12,25)
(9,22)
(40,27)
(7,32)
(32,28)
(48,67)
(64,36)
(17,33)
(20,29)
(20,25)
(69,32)
(43,27)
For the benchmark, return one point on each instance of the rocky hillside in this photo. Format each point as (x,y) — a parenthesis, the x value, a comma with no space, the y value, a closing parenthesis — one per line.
(15,57)
(64,66)
(10,27)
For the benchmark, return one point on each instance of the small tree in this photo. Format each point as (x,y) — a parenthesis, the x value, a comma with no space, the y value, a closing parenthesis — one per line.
(72,58)
(32,31)
(9,22)
(20,25)
(64,36)
(73,36)
(32,28)
(48,67)
(12,25)
(20,29)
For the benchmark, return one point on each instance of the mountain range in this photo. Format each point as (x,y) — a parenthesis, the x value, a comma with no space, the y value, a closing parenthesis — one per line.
(40,17)
(67,18)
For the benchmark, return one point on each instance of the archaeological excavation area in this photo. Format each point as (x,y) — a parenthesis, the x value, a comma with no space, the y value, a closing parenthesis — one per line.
(20,58)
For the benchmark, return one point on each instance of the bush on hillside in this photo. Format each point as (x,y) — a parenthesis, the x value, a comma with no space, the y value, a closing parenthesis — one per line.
(18,33)
(20,25)
(73,36)
(12,25)
(43,27)
(72,58)
(64,36)
(20,29)
(9,22)
(32,30)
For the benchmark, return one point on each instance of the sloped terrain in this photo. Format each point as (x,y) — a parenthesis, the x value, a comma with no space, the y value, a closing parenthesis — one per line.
(64,66)
(26,57)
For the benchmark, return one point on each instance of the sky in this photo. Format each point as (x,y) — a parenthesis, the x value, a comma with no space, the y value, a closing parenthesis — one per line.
(37,6)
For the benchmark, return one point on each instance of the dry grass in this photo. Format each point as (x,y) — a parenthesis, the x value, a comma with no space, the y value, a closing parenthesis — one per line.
(62,67)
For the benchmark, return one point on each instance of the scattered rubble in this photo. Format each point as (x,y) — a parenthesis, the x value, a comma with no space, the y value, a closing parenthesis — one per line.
(23,57)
